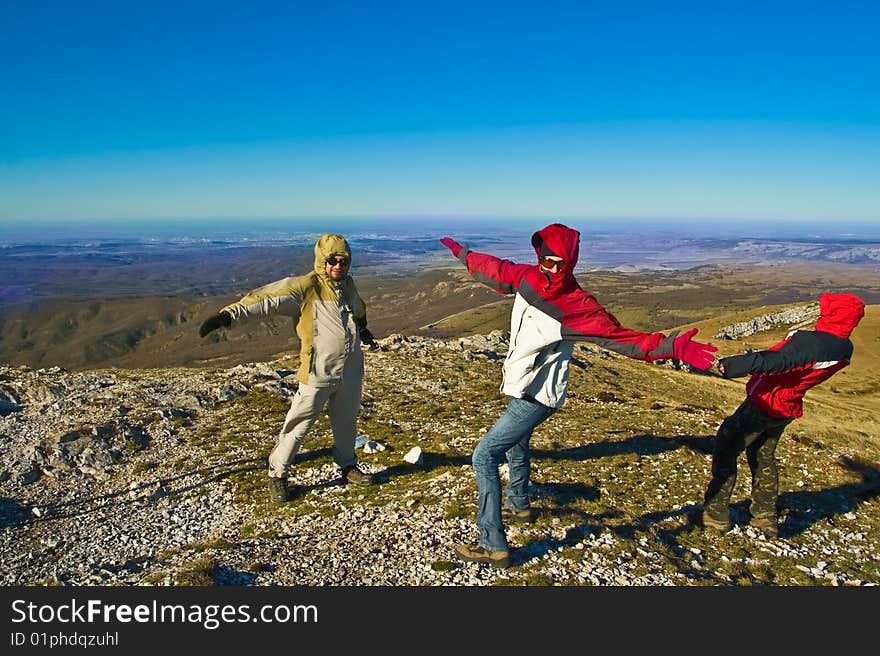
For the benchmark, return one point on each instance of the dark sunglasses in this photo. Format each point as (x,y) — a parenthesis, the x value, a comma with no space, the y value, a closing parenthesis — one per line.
(549,264)
(333,261)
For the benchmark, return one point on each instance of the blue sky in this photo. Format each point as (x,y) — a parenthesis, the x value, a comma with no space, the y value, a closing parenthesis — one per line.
(747,110)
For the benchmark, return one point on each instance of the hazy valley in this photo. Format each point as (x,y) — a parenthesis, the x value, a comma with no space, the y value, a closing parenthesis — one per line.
(150,330)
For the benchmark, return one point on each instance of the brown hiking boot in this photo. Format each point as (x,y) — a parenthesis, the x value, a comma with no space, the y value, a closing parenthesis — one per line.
(278,492)
(354,475)
(526,516)
(720,525)
(767,525)
(479,554)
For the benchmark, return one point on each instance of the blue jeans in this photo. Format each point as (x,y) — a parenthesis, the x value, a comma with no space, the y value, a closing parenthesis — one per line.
(509,437)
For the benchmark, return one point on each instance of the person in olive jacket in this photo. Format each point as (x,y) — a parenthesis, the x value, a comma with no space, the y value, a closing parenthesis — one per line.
(331,322)
(780,377)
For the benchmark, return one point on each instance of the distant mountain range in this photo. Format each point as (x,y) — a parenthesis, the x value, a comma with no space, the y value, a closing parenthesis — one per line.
(92,330)
(48,266)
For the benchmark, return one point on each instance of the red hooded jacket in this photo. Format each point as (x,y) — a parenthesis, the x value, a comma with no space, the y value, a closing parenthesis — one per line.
(550,312)
(783,373)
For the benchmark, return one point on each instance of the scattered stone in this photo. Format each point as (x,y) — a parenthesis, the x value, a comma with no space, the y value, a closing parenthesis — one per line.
(30,475)
(135,497)
(414,456)
(373,447)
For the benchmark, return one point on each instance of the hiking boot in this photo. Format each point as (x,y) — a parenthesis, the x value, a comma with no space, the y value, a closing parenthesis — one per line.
(714,524)
(278,492)
(354,475)
(526,516)
(479,554)
(767,525)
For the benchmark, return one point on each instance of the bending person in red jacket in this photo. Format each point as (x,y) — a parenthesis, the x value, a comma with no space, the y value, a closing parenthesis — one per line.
(780,378)
(550,312)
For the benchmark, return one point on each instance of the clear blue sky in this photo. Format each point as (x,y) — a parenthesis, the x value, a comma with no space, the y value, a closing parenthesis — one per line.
(754,110)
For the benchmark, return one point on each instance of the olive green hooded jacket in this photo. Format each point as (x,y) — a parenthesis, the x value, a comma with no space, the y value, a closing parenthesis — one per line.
(328,316)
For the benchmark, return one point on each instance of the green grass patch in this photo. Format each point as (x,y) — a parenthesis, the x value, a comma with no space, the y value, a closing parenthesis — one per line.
(442,566)
(198,572)
(143,466)
(456,510)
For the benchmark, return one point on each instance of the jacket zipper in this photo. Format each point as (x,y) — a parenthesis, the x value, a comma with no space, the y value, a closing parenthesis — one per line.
(514,337)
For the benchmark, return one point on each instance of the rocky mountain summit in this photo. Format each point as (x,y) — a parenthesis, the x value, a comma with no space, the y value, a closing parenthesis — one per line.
(793,317)
(157,477)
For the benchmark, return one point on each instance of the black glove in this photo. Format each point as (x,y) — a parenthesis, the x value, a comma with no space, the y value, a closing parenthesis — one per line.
(219,320)
(367,337)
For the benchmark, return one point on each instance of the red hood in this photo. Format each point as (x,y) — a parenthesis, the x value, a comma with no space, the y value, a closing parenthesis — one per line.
(562,240)
(839,313)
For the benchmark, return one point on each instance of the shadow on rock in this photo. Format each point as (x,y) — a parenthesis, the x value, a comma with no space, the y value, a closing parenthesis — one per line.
(430,461)
(152,490)
(644,445)
(224,575)
(803,509)
(11,512)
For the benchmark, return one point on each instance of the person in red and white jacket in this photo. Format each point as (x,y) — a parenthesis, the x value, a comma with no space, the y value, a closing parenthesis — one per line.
(780,377)
(550,312)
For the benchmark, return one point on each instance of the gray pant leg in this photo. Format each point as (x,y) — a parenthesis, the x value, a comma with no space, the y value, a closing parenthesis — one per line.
(343,408)
(740,428)
(304,410)
(761,456)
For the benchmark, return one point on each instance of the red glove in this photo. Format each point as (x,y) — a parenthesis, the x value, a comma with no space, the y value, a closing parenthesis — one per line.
(695,354)
(452,245)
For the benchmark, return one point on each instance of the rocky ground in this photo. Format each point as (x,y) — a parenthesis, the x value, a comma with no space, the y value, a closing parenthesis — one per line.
(157,477)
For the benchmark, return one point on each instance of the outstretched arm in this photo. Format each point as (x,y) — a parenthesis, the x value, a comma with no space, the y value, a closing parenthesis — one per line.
(783,358)
(592,323)
(501,275)
(283,296)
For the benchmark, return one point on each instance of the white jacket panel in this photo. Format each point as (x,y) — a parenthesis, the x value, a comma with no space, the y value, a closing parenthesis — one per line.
(537,363)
